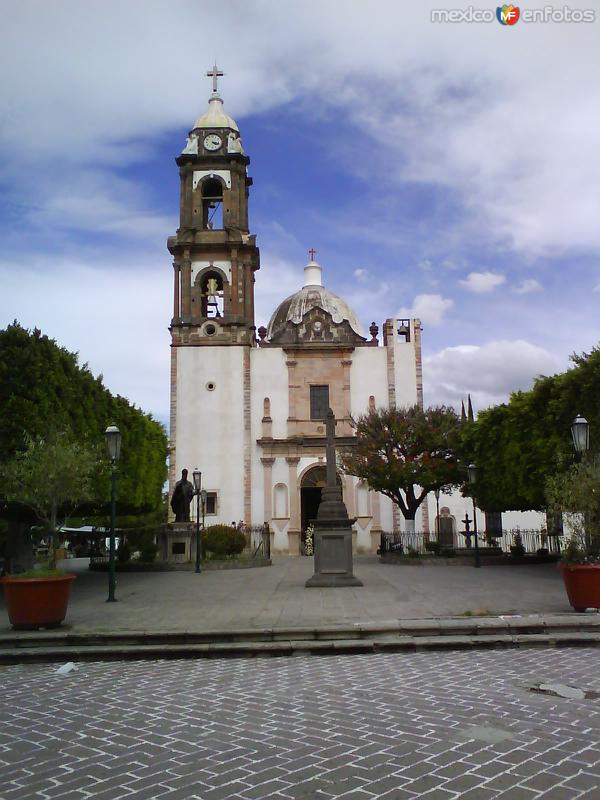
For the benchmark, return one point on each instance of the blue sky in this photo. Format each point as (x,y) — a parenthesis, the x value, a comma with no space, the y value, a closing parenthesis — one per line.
(444,171)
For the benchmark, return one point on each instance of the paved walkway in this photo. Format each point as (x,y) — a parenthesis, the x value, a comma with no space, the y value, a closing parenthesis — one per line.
(437,726)
(275,596)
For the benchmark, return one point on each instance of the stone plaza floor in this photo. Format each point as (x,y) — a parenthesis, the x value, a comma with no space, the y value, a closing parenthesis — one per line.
(276,597)
(437,726)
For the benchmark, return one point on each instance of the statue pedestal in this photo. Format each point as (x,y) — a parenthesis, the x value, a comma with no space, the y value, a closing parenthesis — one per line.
(333,543)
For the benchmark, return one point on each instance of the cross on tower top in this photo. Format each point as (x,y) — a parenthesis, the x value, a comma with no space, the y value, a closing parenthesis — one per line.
(312,253)
(215,74)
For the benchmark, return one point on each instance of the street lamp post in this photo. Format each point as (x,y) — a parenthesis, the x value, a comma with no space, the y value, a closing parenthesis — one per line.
(203,495)
(472,469)
(197,476)
(113,443)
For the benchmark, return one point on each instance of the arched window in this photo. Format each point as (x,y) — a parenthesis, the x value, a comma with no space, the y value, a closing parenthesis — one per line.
(212,204)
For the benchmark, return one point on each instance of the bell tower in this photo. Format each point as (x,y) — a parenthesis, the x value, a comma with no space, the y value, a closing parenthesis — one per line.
(214,254)
(212,327)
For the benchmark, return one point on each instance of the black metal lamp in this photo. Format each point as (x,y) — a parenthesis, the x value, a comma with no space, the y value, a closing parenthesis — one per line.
(580,431)
(197,478)
(113,442)
(473,472)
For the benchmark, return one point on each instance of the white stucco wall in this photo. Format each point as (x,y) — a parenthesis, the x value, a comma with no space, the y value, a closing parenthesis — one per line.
(405,373)
(210,431)
(268,378)
(368,376)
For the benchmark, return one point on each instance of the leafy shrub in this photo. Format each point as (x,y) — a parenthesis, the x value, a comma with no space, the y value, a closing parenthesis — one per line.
(223,541)
(148,552)
(413,553)
(448,552)
(433,547)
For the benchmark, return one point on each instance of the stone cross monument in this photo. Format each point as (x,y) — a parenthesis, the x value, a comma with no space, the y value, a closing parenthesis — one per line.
(333,530)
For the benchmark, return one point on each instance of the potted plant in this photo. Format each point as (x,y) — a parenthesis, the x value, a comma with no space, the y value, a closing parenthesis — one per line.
(50,477)
(577,493)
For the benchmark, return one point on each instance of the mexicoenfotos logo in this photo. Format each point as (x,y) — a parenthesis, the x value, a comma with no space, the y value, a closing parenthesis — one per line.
(507,15)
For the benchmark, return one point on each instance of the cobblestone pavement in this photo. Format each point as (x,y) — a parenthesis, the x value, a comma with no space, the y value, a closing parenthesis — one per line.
(435,725)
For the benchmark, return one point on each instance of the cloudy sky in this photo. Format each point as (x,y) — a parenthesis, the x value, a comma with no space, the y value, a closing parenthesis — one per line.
(446,171)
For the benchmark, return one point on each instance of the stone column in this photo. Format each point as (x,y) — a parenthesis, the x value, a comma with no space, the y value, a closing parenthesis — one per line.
(292,414)
(186,289)
(176,283)
(295,522)
(268,488)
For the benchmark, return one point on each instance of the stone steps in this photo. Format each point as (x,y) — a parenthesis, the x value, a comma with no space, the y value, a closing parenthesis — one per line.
(405,635)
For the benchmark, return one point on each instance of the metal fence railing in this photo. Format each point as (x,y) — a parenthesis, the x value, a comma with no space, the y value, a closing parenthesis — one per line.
(258,540)
(417,542)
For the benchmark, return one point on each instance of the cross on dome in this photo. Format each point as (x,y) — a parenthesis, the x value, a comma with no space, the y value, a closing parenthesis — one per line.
(215,73)
(312,253)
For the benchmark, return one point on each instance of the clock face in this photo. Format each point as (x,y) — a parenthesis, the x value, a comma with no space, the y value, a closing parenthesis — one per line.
(212,141)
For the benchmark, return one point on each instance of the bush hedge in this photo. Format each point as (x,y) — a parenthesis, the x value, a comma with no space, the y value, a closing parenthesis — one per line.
(223,541)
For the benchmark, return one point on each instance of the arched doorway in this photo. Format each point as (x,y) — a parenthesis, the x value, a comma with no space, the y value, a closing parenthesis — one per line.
(310,494)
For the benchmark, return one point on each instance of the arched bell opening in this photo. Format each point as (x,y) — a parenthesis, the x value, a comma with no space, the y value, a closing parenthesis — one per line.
(208,295)
(312,482)
(212,204)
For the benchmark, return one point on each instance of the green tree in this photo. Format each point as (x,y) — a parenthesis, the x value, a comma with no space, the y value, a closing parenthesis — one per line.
(43,388)
(576,493)
(51,477)
(405,453)
(519,444)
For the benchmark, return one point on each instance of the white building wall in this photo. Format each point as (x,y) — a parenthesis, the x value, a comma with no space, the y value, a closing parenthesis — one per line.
(368,376)
(405,373)
(268,378)
(210,426)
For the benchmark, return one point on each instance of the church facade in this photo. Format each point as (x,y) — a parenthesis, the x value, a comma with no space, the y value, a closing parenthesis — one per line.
(248,405)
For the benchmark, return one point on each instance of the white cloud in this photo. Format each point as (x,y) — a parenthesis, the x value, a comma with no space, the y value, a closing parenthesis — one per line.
(361,275)
(482,282)
(489,372)
(115,318)
(450,107)
(527,286)
(429,308)
(275,280)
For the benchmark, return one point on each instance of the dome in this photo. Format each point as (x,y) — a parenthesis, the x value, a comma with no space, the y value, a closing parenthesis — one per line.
(312,295)
(215,117)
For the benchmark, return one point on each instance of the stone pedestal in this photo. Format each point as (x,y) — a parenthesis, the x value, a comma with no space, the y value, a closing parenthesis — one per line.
(178,537)
(333,543)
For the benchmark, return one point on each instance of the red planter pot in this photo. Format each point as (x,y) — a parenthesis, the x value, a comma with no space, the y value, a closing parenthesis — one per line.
(37,602)
(582,582)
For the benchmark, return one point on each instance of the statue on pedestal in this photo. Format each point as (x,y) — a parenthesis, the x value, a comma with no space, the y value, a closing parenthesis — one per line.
(182,498)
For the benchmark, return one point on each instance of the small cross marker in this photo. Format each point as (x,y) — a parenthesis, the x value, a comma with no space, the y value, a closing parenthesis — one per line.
(215,74)
(312,253)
